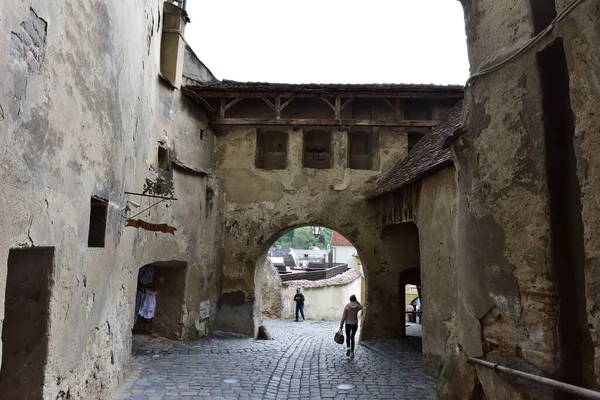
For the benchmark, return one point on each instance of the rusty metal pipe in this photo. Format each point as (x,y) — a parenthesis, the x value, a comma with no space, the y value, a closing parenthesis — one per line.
(565,387)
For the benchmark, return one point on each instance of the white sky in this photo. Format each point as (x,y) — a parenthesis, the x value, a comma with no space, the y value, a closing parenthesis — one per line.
(330,41)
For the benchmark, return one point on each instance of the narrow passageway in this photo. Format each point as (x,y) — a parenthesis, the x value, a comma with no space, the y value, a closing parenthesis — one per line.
(302,362)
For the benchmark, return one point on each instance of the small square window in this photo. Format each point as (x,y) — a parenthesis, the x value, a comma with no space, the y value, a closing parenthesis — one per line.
(163,158)
(317,149)
(98,212)
(360,150)
(271,150)
(413,139)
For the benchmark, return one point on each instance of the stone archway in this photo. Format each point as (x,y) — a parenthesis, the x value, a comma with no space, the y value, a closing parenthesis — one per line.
(398,251)
(328,281)
(239,310)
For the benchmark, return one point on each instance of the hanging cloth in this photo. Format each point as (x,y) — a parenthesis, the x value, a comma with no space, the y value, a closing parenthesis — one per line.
(146,275)
(139,300)
(149,305)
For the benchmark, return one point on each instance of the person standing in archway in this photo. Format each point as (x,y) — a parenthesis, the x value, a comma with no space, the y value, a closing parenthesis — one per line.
(299,299)
(350,317)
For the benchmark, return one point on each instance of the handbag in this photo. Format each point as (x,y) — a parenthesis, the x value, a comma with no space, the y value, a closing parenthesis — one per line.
(339,337)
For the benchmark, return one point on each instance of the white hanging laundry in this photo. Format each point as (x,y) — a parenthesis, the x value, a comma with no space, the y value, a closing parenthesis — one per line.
(139,300)
(149,305)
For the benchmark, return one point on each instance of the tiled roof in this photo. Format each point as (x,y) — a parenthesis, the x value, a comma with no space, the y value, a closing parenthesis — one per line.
(280,252)
(310,252)
(426,157)
(339,240)
(342,279)
(227,85)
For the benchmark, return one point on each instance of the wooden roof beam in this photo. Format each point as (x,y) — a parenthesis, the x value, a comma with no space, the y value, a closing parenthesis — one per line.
(321,122)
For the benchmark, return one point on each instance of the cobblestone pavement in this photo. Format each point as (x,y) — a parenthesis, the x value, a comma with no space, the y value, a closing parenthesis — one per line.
(302,362)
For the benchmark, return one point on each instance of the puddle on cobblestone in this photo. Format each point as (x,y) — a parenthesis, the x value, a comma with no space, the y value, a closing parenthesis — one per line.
(419,386)
(345,386)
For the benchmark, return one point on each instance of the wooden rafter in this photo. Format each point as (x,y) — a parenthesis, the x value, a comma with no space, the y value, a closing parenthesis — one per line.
(267,102)
(286,103)
(389,104)
(226,106)
(397,109)
(321,122)
(347,102)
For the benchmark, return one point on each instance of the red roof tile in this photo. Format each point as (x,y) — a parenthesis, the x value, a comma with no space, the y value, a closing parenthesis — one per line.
(339,240)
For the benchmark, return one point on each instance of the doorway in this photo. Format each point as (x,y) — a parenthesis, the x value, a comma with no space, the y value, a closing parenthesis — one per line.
(160,300)
(26,322)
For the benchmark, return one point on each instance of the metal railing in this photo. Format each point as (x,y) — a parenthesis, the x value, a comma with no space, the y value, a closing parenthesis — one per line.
(565,387)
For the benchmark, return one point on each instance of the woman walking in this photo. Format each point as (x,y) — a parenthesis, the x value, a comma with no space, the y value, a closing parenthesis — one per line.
(350,317)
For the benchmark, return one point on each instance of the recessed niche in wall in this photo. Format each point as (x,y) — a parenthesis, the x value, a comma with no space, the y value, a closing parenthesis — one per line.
(413,138)
(26,318)
(271,149)
(164,161)
(97,232)
(360,150)
(317,149)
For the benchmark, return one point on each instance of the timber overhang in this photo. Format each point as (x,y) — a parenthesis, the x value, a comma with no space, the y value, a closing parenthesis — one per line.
(217,98)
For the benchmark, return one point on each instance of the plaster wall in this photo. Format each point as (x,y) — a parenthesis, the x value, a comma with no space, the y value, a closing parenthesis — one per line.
(436,220)
(345,255)
(509,295)
(260,205)
(270,291)
(324,303)
(81,114)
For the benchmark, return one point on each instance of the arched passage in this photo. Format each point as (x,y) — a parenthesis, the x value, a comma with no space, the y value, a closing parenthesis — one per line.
(160,300)
(324,265)
(398,251)
(240,310)
(411,276)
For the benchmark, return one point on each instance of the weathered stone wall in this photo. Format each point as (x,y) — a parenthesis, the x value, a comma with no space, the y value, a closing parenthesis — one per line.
(81,114)
(519,244)
(260,205)
(419,225)
(581,35)
(436,220)
(270,291)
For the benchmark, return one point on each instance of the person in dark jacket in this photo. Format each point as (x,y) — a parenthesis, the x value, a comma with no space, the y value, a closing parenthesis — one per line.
(299,299)
(350,317)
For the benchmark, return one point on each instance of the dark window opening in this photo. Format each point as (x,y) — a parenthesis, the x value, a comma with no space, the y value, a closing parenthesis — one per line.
(542,13)
(317,149)
(271,150)
(25,327)
(360,146)
(98,212)
(413,139)
(163,158)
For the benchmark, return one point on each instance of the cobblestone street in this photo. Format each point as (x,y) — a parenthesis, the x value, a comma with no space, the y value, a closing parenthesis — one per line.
(302,362)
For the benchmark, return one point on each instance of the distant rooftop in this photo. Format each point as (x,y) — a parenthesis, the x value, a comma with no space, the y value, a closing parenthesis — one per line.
(339,240)
(310,252)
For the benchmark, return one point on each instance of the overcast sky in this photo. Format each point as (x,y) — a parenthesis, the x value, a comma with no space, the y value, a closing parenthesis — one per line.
(330,41)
